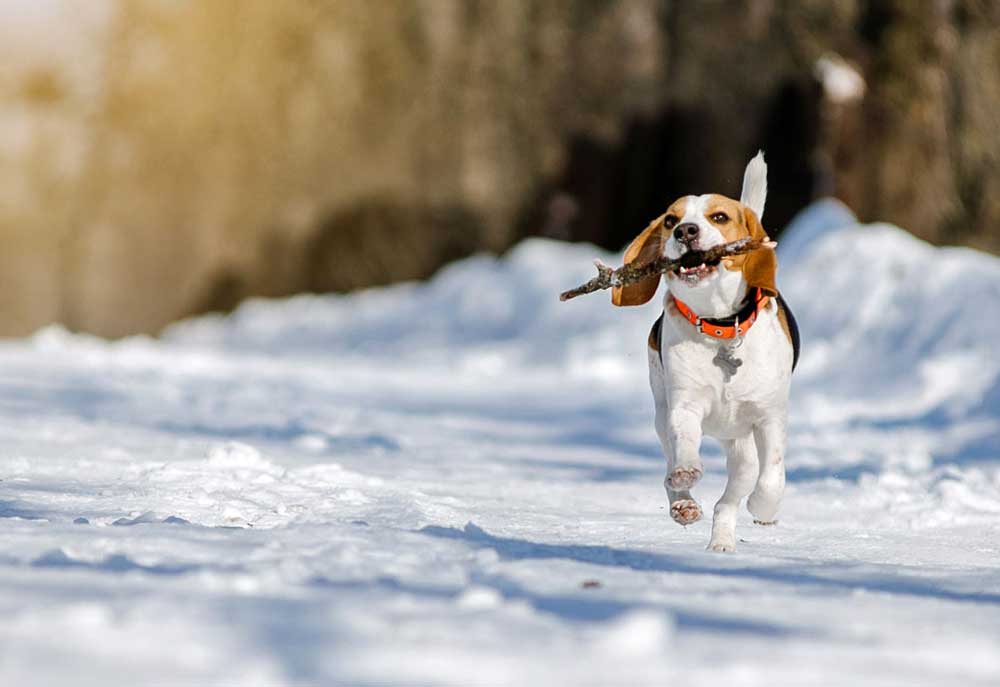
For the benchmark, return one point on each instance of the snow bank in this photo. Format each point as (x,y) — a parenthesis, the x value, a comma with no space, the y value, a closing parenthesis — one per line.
(894,330)
(505,308)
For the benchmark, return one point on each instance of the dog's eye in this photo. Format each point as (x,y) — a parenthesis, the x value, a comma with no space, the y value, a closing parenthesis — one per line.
(719,218)
(669,221)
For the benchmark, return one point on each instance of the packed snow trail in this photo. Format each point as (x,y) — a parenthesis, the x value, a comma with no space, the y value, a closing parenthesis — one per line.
(458,482)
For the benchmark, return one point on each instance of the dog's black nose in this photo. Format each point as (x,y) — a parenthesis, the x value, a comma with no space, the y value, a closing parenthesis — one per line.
(686,232)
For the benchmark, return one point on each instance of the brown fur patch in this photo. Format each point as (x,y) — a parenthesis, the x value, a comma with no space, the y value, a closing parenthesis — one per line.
(733,229)
(654,335)
(783,319)
(645,247)
(761,266)
(678,207)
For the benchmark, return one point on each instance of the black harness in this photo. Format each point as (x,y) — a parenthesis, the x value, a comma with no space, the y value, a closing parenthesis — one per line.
(793,329)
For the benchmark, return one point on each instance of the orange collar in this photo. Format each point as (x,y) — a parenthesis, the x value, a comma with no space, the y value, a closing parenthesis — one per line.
(726,327)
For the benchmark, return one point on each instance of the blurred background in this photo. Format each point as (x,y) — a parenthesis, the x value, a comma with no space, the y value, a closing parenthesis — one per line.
(162,158)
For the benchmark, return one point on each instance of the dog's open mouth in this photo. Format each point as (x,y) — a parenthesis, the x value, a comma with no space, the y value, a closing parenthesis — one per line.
(693,269)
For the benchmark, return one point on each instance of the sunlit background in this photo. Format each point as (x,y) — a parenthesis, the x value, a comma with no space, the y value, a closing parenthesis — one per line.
(164,158)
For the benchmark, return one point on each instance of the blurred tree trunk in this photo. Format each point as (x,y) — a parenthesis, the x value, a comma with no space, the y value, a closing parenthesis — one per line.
(163,159)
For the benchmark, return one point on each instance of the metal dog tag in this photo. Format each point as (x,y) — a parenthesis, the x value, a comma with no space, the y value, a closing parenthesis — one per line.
(726,361)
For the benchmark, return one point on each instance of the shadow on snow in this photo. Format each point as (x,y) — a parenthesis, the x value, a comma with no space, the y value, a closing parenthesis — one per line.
(890,582)
(567,606)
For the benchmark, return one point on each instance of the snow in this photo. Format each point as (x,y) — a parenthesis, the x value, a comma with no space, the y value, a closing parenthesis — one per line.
(458,482)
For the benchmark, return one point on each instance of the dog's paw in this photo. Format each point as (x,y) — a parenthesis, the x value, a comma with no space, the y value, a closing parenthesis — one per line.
(767,523)
(682,479)
(685,511)
(722,546)
(763,509)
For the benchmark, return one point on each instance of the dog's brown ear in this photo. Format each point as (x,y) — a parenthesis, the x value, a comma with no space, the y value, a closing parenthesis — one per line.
(760,266)
(647,246)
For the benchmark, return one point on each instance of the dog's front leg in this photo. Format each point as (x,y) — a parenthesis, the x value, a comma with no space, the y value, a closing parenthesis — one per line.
(679,429)
(684,436)
(766,497)
(683,508)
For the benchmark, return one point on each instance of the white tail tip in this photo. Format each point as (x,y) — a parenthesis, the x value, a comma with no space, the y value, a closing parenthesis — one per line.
(755,185)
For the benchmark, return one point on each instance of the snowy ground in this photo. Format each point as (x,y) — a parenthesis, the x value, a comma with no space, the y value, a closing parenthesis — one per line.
(458,483)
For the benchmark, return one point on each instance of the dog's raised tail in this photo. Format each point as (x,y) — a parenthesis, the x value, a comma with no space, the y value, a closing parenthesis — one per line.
(755,185)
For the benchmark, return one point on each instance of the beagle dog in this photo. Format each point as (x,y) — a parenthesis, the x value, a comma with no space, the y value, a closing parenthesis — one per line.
(721,354)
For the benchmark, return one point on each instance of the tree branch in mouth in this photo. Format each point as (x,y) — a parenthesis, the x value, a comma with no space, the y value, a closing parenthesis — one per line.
(632,273)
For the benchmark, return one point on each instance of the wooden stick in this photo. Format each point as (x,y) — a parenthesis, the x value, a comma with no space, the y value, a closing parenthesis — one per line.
(632,273)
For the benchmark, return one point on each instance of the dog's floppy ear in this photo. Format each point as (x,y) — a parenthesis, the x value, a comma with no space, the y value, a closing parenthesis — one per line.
(760,266)
(647,246)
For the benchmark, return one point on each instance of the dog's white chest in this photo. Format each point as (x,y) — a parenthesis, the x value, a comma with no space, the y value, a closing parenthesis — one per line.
(735,384)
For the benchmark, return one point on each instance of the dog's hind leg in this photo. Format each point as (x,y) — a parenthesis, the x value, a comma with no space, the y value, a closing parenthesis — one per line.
(741,464)
(766,497)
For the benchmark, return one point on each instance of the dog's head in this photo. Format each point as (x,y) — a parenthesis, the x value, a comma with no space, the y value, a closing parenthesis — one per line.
(699,223)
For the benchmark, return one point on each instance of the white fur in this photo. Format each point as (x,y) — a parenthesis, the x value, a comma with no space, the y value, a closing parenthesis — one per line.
(754,191)
(748,414)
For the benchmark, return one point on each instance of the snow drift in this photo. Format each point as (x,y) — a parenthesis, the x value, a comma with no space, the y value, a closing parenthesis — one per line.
(894,329)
